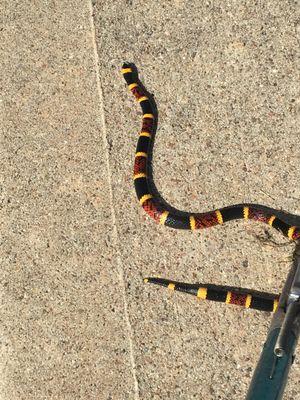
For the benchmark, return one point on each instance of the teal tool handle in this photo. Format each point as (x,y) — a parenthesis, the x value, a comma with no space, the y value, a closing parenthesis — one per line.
(270,375)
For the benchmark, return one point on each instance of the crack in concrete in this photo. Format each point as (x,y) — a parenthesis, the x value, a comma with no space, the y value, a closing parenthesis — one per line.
(113,215)
(241,137)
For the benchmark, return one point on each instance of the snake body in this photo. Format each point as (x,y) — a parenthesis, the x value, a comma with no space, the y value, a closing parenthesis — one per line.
(164,214)
(169,216)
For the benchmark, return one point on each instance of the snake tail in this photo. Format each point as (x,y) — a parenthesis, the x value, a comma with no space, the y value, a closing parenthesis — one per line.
(240,297)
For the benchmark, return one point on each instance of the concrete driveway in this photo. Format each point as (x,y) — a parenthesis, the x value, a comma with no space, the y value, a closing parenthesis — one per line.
(77,322)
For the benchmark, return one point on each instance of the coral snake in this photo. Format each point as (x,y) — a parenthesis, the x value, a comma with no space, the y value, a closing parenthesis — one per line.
(164,214)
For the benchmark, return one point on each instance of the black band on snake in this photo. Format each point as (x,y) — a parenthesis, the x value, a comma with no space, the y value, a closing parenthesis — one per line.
(164,214)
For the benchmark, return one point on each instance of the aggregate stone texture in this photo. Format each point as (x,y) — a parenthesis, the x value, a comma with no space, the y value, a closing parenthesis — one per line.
(225,77)
(77,322)
(64,330)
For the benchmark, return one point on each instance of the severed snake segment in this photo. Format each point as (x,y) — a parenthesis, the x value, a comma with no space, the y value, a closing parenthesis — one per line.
(229,295)
(164,214)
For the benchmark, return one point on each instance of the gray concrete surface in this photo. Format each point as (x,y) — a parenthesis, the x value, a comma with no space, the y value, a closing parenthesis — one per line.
(64,327)
(76,320)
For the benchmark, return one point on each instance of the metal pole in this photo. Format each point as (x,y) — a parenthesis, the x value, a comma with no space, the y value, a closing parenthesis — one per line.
(271,373)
